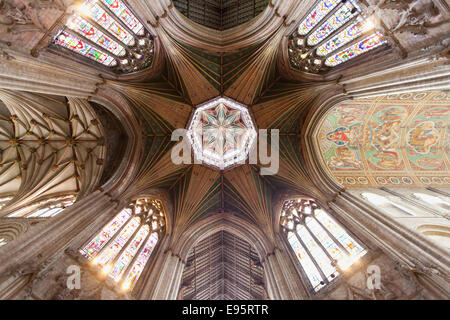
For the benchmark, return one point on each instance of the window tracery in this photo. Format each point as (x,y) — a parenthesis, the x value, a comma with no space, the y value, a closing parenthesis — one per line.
(106,31)
(321,245)
(332,33)
(123,247)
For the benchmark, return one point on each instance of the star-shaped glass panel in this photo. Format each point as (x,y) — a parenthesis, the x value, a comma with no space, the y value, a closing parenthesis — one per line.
(221,133)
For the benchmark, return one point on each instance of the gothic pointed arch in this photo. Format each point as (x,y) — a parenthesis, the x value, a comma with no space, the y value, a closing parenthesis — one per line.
(122,249)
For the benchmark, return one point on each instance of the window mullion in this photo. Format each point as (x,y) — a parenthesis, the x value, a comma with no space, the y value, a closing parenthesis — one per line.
(324,278)
(133,260)
(338,243)
(106,32)
(319,242)
(93,44)
(125,246)
(110,240)
(118,20)
(335,32)
(321,22)
(362,36)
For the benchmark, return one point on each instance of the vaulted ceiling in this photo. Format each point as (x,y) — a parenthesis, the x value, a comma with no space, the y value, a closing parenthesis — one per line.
(193,65)
(192,77)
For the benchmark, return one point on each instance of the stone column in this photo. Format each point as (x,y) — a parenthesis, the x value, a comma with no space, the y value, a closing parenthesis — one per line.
(19,71)
(417,74)
(276,282)
(41,246)
(291,275)
(429,264)
(167,282)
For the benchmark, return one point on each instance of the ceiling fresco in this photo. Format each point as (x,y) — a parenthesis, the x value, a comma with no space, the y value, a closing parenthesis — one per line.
(394,140)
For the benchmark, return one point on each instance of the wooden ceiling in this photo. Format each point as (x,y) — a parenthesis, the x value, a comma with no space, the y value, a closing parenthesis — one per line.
(223,267)
(220,14)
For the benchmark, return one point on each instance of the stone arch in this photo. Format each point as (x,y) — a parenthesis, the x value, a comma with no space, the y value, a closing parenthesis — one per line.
(121,109)
(437,233)
(11,229)
(218,222)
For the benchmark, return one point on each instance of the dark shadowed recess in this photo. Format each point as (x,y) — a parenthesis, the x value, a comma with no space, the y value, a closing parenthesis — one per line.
(116,141)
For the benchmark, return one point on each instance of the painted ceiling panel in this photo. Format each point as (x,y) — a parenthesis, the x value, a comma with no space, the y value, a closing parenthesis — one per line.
(395,140)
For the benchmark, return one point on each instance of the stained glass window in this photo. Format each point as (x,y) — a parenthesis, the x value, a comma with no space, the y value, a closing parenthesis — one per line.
(123,247)
(107,32)
(319,12)
(369,43)
(322,246)
(73,43)
(136,270)
(97,243)
(347,11)
(332,33)
(308,265)
(121,11)
(94,11)
(86,29)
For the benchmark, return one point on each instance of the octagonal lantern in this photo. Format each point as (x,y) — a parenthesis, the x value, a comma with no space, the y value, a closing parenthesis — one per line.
(221,133)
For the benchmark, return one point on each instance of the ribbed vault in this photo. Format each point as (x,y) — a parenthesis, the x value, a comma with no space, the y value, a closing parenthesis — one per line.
(225,267)
(49,148)
(246,71)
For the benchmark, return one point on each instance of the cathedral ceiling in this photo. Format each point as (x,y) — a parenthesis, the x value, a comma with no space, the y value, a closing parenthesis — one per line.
(194,64)
(48,148)
(399,139)
(248,73)
(249,77)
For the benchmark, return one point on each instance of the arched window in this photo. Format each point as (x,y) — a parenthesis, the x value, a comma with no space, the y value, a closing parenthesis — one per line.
(107,32)
(44,209)
(385,203)
(333,32)
(122,248)
(320,244)
(432,200)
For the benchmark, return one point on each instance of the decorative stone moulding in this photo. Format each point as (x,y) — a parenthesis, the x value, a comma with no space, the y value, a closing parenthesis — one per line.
(221,133)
